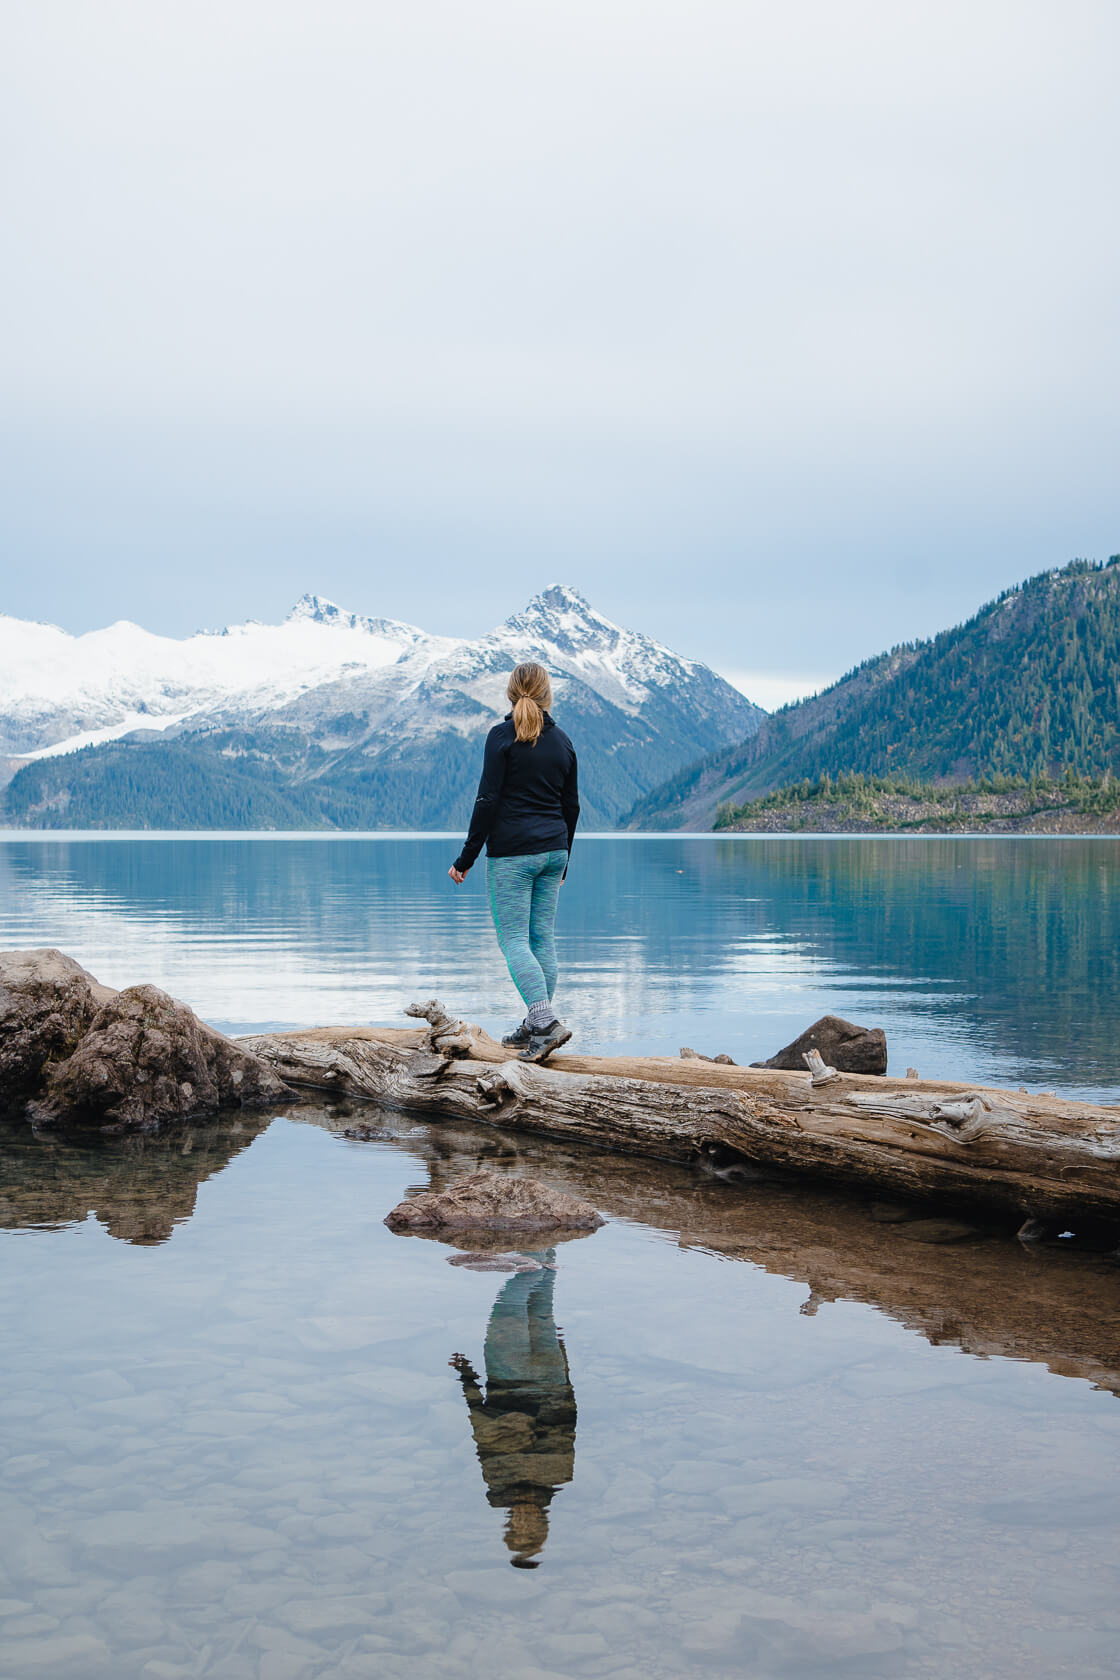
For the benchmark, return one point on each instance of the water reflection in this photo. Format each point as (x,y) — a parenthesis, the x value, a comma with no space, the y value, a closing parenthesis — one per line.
(241,1454)
(524,1424)
(1050,1304)
(139,1186)
(987,959)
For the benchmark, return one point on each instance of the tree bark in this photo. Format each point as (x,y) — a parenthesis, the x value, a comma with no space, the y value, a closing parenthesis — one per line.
(1040,1157)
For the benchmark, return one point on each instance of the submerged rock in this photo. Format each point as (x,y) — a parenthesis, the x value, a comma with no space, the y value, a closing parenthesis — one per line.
(130,1060)
(485,1201)
(938,1231)
(890,1213)
(842,1045)
(47,1002)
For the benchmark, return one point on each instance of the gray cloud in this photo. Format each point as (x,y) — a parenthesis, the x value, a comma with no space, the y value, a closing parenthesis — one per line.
(783,331)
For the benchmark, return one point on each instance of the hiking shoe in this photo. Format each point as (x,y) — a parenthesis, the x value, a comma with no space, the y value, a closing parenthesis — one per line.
(542,1044)
(519,1038)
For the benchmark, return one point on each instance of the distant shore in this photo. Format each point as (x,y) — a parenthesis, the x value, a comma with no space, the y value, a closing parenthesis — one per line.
(878,805)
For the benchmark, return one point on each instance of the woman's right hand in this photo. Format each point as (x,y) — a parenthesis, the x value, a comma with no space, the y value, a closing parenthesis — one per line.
(457,875)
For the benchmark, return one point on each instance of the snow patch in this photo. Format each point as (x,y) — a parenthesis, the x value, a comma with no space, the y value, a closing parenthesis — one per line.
(111,732)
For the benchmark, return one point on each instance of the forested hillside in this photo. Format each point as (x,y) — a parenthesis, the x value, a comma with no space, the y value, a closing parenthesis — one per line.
(1030,686)
(277,776)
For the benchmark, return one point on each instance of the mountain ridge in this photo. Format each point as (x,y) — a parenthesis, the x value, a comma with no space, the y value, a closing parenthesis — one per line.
(1029,685)
(337,719)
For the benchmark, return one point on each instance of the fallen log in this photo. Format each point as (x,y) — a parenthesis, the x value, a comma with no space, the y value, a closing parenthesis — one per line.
(1040,1158)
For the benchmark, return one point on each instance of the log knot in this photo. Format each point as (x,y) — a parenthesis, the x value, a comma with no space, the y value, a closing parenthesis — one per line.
(493,1088)
(963,1120)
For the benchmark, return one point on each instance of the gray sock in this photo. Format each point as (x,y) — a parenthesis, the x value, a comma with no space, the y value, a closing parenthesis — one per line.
(540,1017)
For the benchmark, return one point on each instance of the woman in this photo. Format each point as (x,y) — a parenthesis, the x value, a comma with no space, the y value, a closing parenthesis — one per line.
(526,814)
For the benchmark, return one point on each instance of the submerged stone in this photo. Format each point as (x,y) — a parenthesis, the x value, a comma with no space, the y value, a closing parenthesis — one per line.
(938,1231)
(475,1261)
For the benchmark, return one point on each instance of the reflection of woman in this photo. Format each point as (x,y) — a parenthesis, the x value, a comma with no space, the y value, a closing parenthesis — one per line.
(525,1424)
(526,814)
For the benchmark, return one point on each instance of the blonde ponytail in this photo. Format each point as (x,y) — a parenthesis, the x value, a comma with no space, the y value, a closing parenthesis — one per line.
(531,694)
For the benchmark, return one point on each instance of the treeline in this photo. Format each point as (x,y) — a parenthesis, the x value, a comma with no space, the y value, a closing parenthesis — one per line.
(1027,687)
(883,800)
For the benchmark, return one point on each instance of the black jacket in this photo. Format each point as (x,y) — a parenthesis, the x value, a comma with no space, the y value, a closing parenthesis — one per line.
(528,800)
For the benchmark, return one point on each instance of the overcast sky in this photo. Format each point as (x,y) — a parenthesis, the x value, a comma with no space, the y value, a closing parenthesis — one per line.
(783,331)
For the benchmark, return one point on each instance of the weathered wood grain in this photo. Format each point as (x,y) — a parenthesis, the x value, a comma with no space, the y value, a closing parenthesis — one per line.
(1040,1156)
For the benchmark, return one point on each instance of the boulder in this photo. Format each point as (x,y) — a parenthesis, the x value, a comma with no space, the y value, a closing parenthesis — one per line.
(145,1059)
(842,1045)
(47,1001)
(486,1201)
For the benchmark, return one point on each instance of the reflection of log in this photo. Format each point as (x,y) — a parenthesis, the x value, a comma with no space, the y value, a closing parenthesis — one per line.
(1040,1155)
(992,1298)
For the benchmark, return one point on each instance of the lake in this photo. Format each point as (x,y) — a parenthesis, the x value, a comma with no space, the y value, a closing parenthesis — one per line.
(762,1430)
(984,959)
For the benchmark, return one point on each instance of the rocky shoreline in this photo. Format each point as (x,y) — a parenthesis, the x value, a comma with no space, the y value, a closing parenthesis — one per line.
(72,1049)
(902,813)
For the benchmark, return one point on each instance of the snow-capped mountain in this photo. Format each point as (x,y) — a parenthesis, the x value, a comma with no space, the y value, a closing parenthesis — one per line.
(348,721)
(58,692)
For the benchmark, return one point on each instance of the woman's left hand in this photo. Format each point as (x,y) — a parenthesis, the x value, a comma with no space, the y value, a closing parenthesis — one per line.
(457,875)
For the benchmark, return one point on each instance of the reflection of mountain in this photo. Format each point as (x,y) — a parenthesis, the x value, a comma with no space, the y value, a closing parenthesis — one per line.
(524,1424)
(990,1298)
(139,1186)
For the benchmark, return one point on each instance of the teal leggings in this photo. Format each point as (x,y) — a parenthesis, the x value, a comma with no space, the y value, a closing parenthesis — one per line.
(523,893)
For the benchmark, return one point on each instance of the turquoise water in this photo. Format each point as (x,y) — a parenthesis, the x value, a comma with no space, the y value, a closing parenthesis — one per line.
(248,1433)
(986,959)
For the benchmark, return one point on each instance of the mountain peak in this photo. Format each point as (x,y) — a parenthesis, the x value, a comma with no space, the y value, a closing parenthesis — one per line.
(319,610)
(562,616)
(561,597)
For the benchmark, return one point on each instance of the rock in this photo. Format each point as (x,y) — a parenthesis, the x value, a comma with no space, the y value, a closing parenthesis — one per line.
(47,1002)
(486,1201)
(689,1055)
(842,1045)
(937,1231)
(146,1059)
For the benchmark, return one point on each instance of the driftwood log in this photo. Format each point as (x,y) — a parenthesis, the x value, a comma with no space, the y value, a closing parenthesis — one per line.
(1039,1157)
